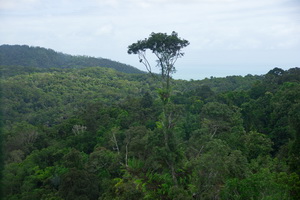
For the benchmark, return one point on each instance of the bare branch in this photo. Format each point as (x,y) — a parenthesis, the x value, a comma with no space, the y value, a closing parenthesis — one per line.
(114,140)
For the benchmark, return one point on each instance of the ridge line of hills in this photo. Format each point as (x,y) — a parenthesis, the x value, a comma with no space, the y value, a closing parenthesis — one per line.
(39,57)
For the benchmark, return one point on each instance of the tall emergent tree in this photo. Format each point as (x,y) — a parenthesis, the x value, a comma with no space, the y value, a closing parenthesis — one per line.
(167,49)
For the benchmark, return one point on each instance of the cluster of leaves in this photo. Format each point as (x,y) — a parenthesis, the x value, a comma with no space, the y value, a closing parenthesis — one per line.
(166,48)
(23,55)
(96,133)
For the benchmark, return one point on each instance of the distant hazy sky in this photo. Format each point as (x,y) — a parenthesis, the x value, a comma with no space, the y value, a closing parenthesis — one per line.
(227,37)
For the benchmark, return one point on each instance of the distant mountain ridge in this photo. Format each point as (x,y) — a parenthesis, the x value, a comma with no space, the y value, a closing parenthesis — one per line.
(27,56)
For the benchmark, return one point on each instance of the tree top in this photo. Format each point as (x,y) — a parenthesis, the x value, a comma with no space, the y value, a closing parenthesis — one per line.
(160,43)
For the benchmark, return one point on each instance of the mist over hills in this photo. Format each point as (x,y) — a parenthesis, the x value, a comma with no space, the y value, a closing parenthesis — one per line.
(39,57)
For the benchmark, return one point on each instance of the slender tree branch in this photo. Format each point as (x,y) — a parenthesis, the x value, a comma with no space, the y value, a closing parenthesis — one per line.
(114,140)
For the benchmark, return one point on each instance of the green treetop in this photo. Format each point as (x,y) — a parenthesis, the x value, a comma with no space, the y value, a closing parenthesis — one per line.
(167,49)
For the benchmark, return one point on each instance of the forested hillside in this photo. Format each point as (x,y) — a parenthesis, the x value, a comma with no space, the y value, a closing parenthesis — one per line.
(96,133)
(38,57)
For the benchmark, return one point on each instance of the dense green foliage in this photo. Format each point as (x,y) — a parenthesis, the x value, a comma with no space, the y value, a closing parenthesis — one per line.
(25,56)
(95,133)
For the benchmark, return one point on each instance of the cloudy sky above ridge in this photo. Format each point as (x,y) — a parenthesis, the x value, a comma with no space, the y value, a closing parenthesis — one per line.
(227,37)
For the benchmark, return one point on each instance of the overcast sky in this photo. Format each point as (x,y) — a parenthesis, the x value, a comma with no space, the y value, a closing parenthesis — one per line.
(227,37)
